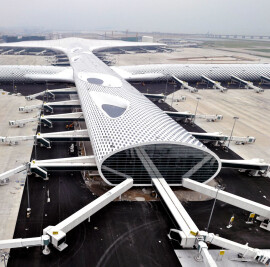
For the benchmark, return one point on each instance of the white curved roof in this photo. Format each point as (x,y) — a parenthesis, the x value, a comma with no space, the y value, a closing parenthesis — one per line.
(194,72)
(142,122)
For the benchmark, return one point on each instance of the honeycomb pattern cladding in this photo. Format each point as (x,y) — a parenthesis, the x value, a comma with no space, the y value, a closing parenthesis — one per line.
(27,73)
(142,123)
(193,72)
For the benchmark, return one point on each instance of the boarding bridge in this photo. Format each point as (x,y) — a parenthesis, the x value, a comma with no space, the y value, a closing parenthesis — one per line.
(4,177)
(255,167)
(56,235)
(45,139)
(19,52)
(262,210)
(248,85)
(41,167)
(215,85)
(49,107)
(188,235)
(82,135)
(184,85)
(219,138)
(41,53)
(186,115)
(162,97)
(265,79)
(47,120)
(66,136)
(155,96)
(52,92)
(6,52)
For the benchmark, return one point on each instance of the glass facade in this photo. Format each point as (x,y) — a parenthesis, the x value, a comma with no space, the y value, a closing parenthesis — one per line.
(173,162)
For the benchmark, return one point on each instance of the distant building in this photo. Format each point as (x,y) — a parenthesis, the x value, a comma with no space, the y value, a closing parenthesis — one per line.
(147,39)
(170,42)
(10,39)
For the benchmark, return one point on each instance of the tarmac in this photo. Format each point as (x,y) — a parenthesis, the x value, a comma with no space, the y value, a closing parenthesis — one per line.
(229,258)
(251,108)
(191,56)
(125,233)
(11,157)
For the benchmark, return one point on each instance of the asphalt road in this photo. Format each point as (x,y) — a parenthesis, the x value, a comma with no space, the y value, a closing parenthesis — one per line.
(123,233)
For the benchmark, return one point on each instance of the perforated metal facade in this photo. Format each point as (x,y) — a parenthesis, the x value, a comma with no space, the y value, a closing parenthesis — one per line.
(35,73)
(193,72)
(142,123)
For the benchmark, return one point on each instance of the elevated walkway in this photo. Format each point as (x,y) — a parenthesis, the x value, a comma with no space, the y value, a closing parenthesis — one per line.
(187,115)
(41,167)
(247,84)
(49,106)
(265,80)
(184,85)
(56,235)
(47,120)
(155,96)
(218,137)
(256,166)
(240,202)
(45,138)
(214,84)
(51,93)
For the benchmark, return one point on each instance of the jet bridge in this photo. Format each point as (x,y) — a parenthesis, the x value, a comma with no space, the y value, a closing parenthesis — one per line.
(186,115)
(240,202)
(265,79)
(56,235)
(4,177)
(47,120)
(184,85)
(155,96)
(43,240)
(189,236)
(7,51)
(82,135)
(248,85)
(51,93)
(255,167)
(51,105)
(219,138)
(41,167)
(19,52)
(215,84)
(45,138)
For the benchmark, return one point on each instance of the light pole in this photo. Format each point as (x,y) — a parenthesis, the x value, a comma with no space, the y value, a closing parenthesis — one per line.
(198,99)
(219,187)
(13,81)
(174,87)
(28,210)
(166,88)
(235,119)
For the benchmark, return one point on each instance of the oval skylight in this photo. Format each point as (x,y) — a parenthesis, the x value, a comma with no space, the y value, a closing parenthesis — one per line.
(113,111)
(111,105)
(95,81)
(100,79)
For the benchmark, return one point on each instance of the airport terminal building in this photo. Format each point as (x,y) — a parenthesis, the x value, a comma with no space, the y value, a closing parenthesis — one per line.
(130,136)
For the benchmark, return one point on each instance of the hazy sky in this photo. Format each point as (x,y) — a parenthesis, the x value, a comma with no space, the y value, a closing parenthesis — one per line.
(182,16)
